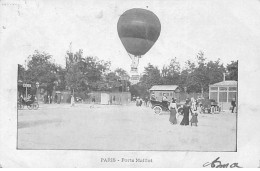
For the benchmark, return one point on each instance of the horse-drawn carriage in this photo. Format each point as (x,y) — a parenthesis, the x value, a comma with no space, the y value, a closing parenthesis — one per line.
(31,104)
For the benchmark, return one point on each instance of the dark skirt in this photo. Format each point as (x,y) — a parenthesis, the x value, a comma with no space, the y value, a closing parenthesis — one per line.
(185,120)
(194,119)
(172,118)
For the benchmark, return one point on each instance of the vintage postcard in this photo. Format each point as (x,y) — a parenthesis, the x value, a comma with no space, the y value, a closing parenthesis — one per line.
(129,83)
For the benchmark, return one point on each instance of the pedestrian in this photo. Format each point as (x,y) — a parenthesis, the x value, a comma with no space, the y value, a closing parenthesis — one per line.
(194,118)
(55,98)
(173,110)
(114,99)
(233,103)
(93,101)
(186,110)
(49,99)
(72,100)
(193,104)
(199,100)
(110,101)
(45,99)
(196,104)
(146,101)
(137,101)
(140,102)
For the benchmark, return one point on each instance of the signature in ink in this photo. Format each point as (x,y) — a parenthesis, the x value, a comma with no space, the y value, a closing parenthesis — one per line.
(217,164)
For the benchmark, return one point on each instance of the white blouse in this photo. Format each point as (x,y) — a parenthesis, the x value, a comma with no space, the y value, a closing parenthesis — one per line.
(173,105)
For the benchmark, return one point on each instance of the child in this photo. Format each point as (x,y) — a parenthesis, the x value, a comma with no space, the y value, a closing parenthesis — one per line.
(194,118)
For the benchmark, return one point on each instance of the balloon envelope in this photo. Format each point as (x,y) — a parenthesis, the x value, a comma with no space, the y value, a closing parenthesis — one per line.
(138,30)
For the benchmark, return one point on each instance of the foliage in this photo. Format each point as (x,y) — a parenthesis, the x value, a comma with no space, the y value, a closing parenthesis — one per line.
(151,76)
(85,74)
(41,69)
(196,76)
(232,71)
(171,73)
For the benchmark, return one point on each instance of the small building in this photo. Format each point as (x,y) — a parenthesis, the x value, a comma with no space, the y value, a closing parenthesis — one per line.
(169,90)
(112,98)
(223,93)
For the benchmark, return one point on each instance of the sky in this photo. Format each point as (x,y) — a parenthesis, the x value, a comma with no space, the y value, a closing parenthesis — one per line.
(225,29)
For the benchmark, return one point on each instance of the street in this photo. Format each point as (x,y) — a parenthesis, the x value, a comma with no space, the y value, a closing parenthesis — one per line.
(114,127)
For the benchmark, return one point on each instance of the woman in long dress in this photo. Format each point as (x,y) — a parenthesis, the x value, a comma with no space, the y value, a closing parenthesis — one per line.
(186,110)
(72,101)
(173,111)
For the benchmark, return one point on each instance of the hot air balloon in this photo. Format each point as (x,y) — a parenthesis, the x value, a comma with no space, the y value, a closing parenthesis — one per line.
(138,30)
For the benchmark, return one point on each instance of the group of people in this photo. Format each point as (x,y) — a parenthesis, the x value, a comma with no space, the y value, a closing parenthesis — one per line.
(139,101)
(48,99)
(186,110)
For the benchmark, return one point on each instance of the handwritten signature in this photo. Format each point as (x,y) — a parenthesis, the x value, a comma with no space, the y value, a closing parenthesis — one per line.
(217,164)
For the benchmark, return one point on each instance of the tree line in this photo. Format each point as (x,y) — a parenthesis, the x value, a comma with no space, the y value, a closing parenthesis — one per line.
(195,77)
(80,74)
(86,74)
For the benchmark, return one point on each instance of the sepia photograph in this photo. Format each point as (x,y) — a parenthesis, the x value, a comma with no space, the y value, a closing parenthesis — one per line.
(128,76)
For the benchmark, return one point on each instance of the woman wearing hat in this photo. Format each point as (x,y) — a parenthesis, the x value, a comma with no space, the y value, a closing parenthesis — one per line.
(186,110)
(173,111)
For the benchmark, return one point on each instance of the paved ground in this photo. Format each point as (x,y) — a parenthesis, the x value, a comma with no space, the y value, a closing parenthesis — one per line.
(121,128)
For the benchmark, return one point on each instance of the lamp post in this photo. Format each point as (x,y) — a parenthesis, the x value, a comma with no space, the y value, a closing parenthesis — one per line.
(37,92)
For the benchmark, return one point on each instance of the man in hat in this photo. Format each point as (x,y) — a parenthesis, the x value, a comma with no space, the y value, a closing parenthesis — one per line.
(233,103)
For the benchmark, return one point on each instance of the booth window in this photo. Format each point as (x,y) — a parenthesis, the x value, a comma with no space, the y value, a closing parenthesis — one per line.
(222,96)
(232,89)
(214,88)
(222,88)
(214,95)
(231,95)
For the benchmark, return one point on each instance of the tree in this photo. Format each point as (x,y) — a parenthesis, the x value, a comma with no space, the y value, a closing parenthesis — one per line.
(41,69)
(121,73)
(215,71)
(139,90)
(61,73)
(151,76)
(84,73)
(198,76)
(21,72)
(171,73)
(232,71)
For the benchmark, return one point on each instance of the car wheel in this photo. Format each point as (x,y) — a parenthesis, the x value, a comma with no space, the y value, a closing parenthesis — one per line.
(157,110)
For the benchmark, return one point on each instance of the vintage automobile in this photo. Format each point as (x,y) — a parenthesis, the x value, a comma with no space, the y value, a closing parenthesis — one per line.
(159,107)
(209,106)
